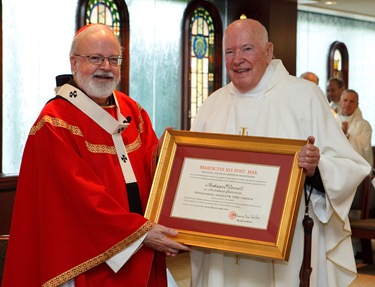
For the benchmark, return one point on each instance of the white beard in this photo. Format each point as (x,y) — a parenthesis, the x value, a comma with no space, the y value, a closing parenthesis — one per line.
(94,89)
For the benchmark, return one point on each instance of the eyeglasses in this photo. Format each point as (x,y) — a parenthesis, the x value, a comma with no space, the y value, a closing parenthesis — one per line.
(99,59)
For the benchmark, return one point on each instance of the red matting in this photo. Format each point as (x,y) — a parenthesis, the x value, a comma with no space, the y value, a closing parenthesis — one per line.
(283,161)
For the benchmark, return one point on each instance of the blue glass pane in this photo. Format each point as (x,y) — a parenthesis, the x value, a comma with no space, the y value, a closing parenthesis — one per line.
(199,46)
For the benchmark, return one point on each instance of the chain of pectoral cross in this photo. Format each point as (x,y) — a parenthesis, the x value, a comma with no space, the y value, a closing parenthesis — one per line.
(243,132)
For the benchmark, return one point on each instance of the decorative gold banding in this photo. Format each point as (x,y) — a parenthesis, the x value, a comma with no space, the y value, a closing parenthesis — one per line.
(55,122)
(134,145)
(95,261)
(141,121)
(100,148)
(94,148)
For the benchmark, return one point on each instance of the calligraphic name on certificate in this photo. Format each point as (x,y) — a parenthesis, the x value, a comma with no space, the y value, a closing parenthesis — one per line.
(232,193)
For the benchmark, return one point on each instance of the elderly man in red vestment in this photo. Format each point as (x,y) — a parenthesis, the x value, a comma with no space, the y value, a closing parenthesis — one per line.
(84,183)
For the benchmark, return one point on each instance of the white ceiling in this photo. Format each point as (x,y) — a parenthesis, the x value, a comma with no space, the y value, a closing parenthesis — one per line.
(361,9)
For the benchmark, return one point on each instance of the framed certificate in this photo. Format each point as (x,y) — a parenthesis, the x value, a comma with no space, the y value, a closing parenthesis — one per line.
(232,193)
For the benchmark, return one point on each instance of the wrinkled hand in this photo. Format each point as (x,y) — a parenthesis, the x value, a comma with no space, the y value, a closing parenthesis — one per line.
(157,239)
(308,157)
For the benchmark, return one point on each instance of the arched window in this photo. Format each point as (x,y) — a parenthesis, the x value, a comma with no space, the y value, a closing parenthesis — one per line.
(202,57)
(114,14)
(338,62)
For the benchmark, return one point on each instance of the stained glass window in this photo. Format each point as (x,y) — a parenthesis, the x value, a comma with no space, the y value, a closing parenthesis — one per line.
(202,58)
(103,12)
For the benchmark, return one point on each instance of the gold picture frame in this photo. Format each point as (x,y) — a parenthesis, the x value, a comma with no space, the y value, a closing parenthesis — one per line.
(232,193)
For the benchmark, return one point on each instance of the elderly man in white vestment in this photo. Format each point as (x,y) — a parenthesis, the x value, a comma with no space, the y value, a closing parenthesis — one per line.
(357,130)
(263,98)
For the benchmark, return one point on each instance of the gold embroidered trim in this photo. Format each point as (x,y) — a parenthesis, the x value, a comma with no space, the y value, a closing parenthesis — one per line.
(94,148)
(134,145)
(141,121)
(99,148)
(56,123)
(93,262)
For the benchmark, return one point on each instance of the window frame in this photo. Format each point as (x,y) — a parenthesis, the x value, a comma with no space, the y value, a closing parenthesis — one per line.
(343,50)
(186,56)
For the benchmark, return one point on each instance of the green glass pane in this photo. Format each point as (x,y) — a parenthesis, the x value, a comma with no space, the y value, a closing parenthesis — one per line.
(103,12)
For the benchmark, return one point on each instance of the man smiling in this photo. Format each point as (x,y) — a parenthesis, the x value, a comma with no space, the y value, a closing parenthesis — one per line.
(265,100)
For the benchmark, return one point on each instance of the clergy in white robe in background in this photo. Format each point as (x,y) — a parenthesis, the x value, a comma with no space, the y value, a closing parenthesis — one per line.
(275,104)
(357,130)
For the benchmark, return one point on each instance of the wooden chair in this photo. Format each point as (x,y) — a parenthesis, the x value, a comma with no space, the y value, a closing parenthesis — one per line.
(3,249)
(364,228)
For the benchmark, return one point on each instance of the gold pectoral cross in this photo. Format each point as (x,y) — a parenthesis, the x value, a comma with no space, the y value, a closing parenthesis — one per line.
(243,131)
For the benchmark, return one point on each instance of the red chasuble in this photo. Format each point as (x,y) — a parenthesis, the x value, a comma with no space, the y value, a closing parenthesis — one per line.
(71,211)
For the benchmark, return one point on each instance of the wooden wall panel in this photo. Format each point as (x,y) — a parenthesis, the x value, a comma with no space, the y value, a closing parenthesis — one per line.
(8,186)
(280,19)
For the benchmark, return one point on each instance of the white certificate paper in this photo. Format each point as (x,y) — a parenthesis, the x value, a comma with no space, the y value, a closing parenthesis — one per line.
(232,193)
